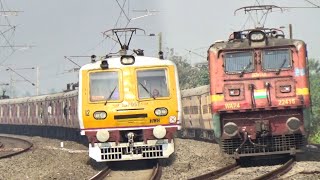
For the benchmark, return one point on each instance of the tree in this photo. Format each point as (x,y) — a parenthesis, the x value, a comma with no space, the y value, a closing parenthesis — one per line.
(189,76)
(204,76)
(314,79)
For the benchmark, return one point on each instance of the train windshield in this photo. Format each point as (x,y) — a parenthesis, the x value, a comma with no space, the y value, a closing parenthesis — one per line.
(104,86)
(276,59)
(238,62)
(152,83)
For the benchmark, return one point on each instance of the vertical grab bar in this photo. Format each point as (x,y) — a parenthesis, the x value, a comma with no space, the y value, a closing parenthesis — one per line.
(253,101)
(268,85)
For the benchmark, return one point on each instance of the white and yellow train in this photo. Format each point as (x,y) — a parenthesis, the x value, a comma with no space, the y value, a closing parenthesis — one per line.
(129,107)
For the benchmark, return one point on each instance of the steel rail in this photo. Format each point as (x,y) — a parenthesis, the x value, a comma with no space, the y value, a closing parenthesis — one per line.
(29,146)
(102,174)
(217,173)
(277,172)
(156,173)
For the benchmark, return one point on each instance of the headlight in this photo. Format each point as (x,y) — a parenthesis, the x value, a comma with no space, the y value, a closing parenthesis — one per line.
(257,36)
(161,111)
(159,132)
(100,115)
(293,124)
(230,129)
(127,60)
(103,135)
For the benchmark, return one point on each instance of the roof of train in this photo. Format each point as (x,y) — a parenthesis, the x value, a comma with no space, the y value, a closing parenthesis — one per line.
(139,61)
(244,44)
(195,91)
(40,98)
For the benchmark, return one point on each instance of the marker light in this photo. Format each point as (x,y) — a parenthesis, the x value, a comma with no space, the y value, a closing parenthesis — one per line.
(104,64)
(99,115)
(127,60)
(161,111)
(285,89)
(234,92)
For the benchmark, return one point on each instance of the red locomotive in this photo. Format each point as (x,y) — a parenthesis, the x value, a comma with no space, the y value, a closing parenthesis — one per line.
(260,93)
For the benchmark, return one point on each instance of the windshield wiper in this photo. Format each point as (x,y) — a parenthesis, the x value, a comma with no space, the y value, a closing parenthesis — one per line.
(245,69)
(283,63)
(110,95)
(147,90)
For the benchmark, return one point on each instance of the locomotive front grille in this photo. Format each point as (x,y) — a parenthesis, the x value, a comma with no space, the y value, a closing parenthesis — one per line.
(116,153)
(270,144)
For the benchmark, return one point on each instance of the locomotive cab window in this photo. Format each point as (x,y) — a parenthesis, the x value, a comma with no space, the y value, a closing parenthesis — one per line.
(238,62)
(273,60)
(152,83)
(104,86)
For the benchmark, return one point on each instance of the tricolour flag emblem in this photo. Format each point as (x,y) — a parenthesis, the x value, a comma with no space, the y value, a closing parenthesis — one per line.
(260,93)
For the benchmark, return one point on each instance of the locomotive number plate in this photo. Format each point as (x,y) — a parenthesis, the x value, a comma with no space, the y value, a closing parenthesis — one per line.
(232,105)
(283,102)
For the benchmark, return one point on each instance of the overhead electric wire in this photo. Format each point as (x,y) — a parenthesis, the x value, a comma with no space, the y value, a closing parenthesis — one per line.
(123,10)
(2,7)
(6,58)
(128,22)
(312,3)
(115,25)
(245,23)
(21,76)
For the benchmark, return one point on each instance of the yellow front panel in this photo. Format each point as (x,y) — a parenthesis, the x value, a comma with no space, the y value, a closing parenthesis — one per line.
(129,105)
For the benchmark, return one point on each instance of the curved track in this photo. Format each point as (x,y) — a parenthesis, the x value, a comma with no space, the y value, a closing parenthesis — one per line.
(217,173)
(225,170)
(278,172)
(12,146)
(153,173)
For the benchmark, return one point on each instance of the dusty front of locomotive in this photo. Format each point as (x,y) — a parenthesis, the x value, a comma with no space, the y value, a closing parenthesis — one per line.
(129,108)
(260,93)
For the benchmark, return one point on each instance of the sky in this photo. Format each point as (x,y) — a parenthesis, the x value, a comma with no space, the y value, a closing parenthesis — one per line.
(59,28)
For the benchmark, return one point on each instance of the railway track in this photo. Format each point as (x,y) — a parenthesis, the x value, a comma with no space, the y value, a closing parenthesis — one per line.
(11,146)
(153,173)
(226,170)
(278,171)
(217,173)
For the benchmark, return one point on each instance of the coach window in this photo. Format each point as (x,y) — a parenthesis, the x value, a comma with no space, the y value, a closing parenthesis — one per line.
(186,110)
(152,83)
(204,109)
(104,86)
(238,62)
(273,60)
